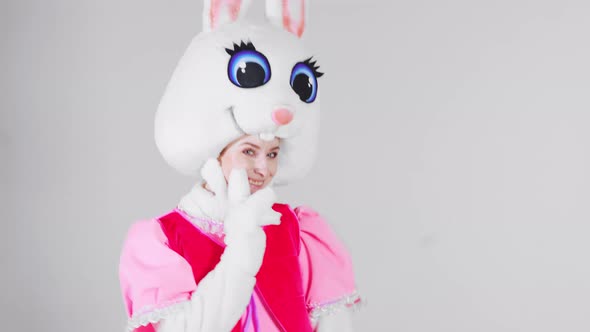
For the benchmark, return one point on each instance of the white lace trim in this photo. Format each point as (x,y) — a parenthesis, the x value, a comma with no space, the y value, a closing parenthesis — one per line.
(209,226)
(155,315)
(317,310)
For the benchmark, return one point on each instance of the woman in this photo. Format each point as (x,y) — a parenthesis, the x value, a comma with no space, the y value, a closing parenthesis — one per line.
(223,209)
(229,258)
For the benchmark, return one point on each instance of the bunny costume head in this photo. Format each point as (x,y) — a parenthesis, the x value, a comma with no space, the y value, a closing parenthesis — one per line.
(236,78)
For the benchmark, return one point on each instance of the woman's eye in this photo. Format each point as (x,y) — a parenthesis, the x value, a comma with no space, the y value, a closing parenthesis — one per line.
(248,69)
(249,152)
(304,82)
(273,155)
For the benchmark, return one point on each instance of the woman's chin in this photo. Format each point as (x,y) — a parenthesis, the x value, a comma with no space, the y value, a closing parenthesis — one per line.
(254,188)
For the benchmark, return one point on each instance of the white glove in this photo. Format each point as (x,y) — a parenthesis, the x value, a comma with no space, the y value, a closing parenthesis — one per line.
(246,213)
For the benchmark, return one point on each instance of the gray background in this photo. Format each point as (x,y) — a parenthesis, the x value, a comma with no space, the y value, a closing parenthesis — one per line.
(454,157)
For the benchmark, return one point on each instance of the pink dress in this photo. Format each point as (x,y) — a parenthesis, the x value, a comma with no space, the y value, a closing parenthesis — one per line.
(159,272)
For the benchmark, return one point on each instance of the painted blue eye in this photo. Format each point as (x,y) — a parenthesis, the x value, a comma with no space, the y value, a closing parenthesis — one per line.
(304,82)
(248,69)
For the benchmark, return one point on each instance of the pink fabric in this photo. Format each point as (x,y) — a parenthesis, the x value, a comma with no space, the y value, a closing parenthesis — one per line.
(261,322)
(325,263)
(279,280)
(153,276)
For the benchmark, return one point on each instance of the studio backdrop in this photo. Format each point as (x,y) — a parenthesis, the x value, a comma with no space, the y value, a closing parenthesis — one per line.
(453,157)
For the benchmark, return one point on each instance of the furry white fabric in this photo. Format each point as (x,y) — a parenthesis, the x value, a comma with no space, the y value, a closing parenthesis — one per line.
(199,202)
(202,110)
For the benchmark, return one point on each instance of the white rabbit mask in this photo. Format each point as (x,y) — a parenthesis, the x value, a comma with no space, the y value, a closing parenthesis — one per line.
(231,80)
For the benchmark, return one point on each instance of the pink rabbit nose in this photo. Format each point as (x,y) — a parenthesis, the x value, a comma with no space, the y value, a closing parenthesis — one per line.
(282,116)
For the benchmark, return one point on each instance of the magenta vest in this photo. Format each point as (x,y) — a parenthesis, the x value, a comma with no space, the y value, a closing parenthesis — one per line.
(278,281)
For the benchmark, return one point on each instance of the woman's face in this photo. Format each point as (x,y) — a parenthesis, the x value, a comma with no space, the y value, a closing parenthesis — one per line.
(259,158)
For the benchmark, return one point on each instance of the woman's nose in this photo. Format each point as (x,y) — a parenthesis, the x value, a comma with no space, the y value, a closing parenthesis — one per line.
(261,167)
(282,116)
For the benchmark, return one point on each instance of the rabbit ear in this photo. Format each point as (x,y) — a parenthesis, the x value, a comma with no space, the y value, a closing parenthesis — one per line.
(289,14)
(219,12)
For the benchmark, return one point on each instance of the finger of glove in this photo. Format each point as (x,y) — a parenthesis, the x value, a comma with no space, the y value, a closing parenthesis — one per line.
(263,198)
(270,218)
(238,187)
(213,175)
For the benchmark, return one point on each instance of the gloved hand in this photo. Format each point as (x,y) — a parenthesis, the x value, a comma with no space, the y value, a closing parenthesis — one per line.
(244,220)
(242,214)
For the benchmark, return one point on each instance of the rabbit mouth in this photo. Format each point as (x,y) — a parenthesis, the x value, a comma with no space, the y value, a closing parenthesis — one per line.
(233,117)
(265,136)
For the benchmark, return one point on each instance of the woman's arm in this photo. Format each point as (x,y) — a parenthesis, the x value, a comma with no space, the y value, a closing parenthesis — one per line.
(220,299)
(224,293)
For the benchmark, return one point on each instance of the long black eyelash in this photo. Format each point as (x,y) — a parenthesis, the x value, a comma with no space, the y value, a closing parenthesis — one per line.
(242,46)
(315,68)
(249,46)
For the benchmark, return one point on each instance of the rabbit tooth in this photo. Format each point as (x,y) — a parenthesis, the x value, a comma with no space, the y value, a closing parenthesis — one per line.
(267,136)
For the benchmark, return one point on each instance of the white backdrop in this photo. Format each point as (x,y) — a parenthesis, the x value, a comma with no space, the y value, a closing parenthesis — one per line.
(454,157)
